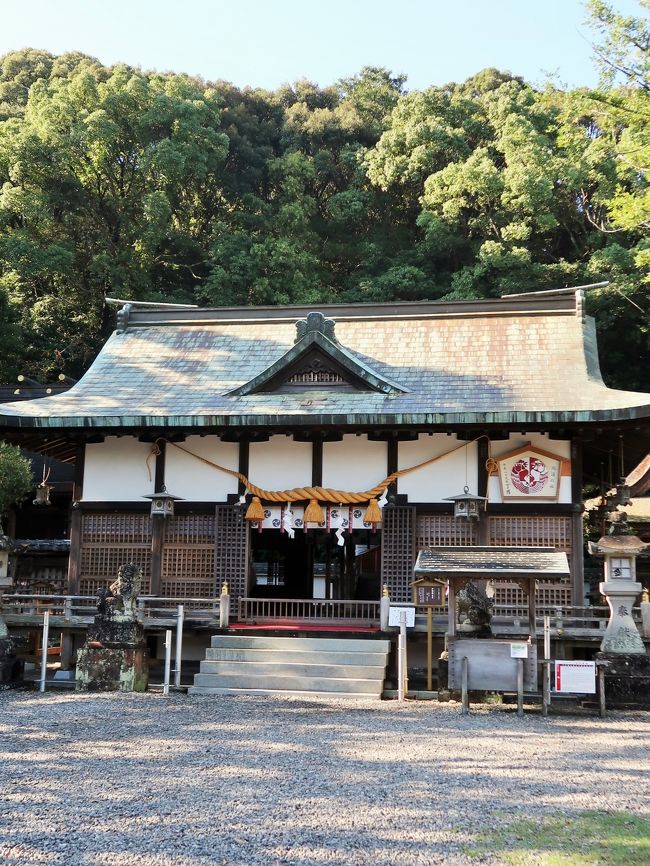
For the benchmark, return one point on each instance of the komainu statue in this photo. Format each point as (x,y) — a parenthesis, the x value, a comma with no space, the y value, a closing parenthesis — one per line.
(122,595)
(476,604)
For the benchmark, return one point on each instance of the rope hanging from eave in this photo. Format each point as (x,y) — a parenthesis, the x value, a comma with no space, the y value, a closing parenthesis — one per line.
(321,494)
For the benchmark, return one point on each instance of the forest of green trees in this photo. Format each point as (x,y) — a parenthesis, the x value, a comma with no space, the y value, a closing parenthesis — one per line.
(152,186)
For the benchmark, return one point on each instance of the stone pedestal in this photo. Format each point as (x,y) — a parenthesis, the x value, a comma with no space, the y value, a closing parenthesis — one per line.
(112,669)
(11,667)
(627,679)
(114,657)
(621,635)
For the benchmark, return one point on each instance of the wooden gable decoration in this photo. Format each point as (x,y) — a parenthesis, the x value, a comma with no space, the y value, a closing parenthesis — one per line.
(318,360)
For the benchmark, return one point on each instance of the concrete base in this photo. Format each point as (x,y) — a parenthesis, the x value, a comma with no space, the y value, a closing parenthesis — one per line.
(627,679)
(112,669)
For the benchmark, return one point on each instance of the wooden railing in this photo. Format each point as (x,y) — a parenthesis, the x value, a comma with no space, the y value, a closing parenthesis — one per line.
(79,610)
(300,610)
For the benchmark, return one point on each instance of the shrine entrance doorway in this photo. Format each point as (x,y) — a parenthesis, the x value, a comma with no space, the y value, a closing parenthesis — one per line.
(312,565)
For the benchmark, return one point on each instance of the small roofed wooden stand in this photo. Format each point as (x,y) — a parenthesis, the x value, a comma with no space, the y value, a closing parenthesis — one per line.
(488,664)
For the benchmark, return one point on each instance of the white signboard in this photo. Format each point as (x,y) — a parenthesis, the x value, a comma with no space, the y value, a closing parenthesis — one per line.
(530,474)
(395,612)
(518,650)
(578,677)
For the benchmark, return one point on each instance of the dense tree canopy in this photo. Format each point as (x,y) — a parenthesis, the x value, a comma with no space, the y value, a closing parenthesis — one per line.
(163,187)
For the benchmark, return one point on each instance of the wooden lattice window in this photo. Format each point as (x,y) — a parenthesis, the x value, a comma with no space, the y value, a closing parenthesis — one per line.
(531,532)
(187,589)
(510,600)
(231,550)
(535,531)
(188,557)
(398,551)
(109,540)
(443,530)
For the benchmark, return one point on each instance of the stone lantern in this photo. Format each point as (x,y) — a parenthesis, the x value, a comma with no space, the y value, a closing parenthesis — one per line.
(620,586)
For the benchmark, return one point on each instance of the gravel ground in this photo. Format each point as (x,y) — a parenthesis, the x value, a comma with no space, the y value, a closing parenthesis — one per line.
(144,780)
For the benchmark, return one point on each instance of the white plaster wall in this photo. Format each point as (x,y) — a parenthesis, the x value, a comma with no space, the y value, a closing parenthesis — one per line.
(191,479)
(561,447)
(444,478)
(280,464)
(116,470)
(354,464)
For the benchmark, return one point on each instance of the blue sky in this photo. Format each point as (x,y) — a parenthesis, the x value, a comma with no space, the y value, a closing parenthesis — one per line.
(264,43)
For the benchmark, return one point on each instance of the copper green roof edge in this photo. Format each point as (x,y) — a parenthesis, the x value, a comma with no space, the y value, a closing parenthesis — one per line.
(561,303)
(116,422)
(347,359)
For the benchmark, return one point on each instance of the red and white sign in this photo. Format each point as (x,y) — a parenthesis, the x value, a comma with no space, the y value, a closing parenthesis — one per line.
(575,677)
(529,474)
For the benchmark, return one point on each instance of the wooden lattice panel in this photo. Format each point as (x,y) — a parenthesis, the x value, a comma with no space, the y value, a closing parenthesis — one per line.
(190,529)
(188,563)
(231,550)
(531,532)
(398,551)
(111,528)
(188,557)
(108,541)
(443,530)
(510,600)
(187,589)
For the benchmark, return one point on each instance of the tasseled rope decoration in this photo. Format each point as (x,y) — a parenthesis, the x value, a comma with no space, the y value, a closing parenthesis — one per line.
(313,513)
(315,495)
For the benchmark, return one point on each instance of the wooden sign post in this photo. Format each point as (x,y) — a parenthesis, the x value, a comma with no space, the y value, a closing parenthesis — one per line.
(428,594)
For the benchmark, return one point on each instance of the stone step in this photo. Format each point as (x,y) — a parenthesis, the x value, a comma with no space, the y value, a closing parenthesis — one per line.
(246,682)
(283,668)
(202,690)
(324,644)
(291,654)
(316,666)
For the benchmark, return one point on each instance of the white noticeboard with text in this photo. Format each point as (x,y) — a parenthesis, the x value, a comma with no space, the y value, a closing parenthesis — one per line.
(394,616)
(577,676)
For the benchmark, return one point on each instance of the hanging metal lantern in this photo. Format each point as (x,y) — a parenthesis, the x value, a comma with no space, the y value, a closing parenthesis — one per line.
(42,494)
(467,505)
(43,489)
(162,503)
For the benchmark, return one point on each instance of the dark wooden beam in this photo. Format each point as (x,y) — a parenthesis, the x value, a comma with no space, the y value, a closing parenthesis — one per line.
(317,463)
(159,472)
(157,541)
(74,562)
(244,462)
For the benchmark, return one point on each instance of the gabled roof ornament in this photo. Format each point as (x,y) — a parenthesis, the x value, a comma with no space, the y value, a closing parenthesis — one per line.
(316,350)
(315,322)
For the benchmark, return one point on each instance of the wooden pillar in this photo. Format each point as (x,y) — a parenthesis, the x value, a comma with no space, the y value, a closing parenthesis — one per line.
(244,458)
(74,563)
(577,537)
(483,528)
(392,460)
(158,526)
(317,463)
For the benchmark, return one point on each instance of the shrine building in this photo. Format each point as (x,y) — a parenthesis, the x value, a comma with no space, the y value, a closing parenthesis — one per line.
(310,453)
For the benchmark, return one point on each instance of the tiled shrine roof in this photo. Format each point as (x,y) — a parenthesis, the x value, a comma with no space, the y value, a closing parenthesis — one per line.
(492,562)
(522,360)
